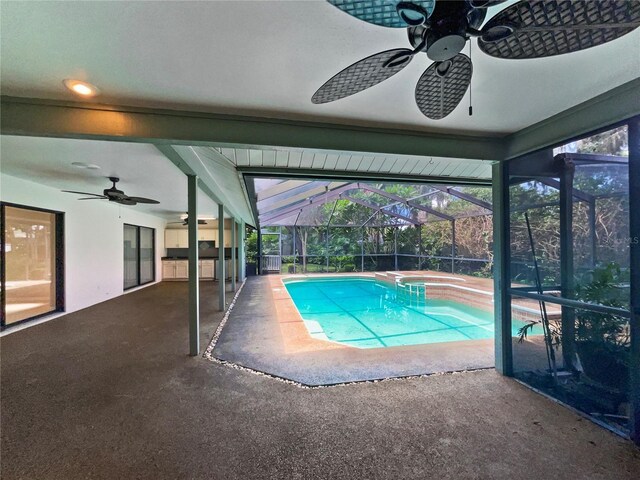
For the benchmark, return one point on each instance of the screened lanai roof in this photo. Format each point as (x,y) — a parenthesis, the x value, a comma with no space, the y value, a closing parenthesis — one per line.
(314,202)
(287,202)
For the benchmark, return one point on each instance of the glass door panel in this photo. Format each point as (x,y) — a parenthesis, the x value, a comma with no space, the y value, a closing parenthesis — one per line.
(146,255)
(30,270)
(130,256)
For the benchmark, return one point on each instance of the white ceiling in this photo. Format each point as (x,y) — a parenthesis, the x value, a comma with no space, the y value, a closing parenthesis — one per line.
(363,163)
(142,169)
(266,58)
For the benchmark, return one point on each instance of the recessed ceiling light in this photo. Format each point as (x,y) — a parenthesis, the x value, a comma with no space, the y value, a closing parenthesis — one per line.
(89,166)
(83,89)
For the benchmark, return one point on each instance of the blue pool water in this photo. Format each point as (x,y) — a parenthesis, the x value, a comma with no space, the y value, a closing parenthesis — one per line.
(366,314)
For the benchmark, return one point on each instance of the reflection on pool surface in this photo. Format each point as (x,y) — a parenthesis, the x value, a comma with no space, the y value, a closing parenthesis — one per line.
(366,314)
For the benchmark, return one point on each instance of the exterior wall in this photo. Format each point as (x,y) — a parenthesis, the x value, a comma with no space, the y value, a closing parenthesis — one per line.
(93,238)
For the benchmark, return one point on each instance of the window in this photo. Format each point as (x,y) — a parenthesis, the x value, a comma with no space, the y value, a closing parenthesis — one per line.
(139,256)
(32,263)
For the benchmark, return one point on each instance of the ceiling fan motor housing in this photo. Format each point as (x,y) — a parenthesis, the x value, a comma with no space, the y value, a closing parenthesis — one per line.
(447,30)
(113,194)
(441,48)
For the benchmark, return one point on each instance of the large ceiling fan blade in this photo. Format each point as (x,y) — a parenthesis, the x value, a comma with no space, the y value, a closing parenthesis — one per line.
(142,200)
(388,13)
(442,86)
(83,193)
(126,201)
(101,197)
(363,74)
(542,28)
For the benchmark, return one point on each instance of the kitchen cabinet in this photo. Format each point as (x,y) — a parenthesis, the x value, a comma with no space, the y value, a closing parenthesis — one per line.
(179,237)
(176,238)
(208,235)
(171,238)
(175,269)
(168,269)
(179,269)
(182,269)
(206,269)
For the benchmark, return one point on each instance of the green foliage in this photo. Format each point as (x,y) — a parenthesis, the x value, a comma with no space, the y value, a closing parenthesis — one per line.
(605,285)
(345,241)
(611,142)
(342,263)
(604,332)
(270,244)
(251,245)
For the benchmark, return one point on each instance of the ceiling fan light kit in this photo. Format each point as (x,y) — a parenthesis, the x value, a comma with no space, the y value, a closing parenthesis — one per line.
(441,28)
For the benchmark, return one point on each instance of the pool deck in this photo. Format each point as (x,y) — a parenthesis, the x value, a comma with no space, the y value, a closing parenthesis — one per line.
(109,392)
(265,332)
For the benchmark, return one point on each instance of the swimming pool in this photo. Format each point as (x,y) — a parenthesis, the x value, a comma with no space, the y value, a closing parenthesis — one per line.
(364,313)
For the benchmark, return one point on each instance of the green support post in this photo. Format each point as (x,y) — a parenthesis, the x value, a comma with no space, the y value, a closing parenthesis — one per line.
(634,243)
(592,232)
(194,286)
(259,253)
(501,270)
(453,246)
(566,260)
(241,251)
(234,266)
(221,272)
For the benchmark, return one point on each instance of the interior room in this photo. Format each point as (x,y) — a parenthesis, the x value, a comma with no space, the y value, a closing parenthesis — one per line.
(320,239)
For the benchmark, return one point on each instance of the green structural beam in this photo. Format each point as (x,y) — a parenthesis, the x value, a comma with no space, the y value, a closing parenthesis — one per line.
(234,237)
(48,118)
(501,274)
(634,243)
(194,287)
(221,270)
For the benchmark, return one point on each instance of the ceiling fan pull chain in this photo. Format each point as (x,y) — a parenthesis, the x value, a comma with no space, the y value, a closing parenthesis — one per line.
(470,106)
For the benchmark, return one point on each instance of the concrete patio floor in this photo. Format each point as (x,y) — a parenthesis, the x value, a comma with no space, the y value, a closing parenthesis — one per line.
(109,392)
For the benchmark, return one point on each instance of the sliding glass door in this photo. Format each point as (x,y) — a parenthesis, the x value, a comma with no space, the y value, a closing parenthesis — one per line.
(32,263)
(139,255)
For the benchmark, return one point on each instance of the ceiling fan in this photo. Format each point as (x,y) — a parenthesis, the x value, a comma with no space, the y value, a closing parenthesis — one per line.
(441,28)
(185,221)
(114,195)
